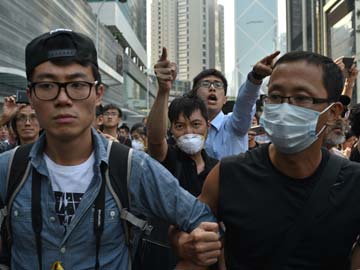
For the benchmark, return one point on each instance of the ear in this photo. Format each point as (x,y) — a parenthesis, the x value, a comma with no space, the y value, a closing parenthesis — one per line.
(225,100)
(99,94)
(208,124)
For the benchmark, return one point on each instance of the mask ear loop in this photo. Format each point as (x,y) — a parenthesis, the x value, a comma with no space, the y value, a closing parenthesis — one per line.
(325,125)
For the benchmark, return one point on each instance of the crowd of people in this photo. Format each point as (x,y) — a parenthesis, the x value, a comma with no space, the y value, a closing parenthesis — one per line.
(272,185)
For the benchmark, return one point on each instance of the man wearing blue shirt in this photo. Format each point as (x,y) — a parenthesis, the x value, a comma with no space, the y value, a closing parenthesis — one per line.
(228,133)
(64,89)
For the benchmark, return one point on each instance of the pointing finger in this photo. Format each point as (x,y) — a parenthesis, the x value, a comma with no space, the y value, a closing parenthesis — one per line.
(163,56)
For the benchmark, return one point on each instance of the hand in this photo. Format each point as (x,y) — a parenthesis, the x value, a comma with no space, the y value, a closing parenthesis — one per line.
(11,108)
(107,136)
(202,246)
(353,72)
(263,68)
(165,72)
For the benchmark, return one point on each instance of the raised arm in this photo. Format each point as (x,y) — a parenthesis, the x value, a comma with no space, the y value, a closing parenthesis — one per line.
(157,121)
(10,109)
(244,108)
(350,77)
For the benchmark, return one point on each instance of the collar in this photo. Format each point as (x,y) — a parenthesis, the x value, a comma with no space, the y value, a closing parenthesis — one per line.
(99,144)
(218,120)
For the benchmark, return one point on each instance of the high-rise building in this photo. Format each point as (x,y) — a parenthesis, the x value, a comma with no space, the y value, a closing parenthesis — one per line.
(304,25)
(255,34)
(191,30)
(328,27)
(127,23)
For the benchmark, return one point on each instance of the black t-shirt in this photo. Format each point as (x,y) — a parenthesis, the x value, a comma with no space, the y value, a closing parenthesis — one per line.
(355,155)
(258,205)
(156,252)
(184,169)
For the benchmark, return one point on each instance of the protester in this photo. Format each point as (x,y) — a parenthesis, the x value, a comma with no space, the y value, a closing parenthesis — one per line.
(186,160)
(138,137)
(354,119)
(23,123)
(335,136)
(290,204)
(69,159)
(228,133)
(99,117)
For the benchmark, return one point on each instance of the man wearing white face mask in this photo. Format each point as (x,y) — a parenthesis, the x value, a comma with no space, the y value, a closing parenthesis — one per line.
(291,204)
(186,160)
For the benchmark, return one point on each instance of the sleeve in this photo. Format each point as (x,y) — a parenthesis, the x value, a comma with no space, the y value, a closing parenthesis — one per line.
(157,194)
(244,108)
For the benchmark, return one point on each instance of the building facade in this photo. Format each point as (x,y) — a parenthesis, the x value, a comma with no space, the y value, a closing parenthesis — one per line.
(255,34)
(21,21)
(127,23)
(193,33)
(329,27)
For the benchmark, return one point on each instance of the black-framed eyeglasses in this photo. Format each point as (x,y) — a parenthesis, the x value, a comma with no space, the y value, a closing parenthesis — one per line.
(76,90)
(208,84)
(302,101)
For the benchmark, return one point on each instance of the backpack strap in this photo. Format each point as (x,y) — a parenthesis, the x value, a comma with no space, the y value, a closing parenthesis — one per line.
(317,200)
(18,170)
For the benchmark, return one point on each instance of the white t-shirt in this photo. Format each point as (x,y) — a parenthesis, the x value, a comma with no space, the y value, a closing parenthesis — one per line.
(69,183)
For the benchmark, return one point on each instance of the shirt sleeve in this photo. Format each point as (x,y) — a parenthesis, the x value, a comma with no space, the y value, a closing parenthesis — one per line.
(244,108)
(157,194)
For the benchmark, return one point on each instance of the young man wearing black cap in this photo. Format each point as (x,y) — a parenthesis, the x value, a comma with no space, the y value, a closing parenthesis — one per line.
(228,133)
(67,164)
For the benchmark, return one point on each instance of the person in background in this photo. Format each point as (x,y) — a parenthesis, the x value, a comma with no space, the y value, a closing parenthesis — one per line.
(4,133)
(354,119)
(186,159)
(124,135)
(252,134)
(99,117)
(228,133)
(23,123)
(112,115)
(348,144)
(138,137)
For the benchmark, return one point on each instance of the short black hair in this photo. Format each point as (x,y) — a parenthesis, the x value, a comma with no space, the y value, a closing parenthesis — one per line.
(206,73)
(138,127)
(112,106)
(186,105)
(354,119)
(333,78)
(124,126)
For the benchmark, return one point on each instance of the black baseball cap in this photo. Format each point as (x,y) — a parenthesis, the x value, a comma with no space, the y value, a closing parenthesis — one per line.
(59,43)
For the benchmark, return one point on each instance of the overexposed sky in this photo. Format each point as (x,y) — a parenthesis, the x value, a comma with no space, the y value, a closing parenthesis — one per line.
(229,30)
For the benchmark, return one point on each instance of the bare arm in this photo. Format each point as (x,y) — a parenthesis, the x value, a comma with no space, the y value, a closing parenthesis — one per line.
(157,120)
(350,77)
(210,190)
(355,258)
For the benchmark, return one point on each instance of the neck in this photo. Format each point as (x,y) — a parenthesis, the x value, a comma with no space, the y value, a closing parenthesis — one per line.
(200,163)
(111,131)
(69,152)
(27,141)
(212,114)
(299,165)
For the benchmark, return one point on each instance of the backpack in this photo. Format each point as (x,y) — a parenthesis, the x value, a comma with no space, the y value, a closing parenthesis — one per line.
(116,177)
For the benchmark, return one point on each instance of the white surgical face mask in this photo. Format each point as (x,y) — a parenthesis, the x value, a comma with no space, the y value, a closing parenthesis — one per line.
(137,145)
(291,128)
(191,143)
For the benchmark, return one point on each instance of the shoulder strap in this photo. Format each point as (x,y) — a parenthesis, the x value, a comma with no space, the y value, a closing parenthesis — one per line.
(18,166)
(317,199)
